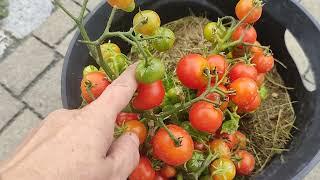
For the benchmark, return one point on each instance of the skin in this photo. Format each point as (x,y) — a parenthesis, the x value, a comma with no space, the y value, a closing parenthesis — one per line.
(79,144)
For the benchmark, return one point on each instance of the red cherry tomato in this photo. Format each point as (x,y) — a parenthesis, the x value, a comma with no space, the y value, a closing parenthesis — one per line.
(247,31)
(166,150)
(230,139)
(216,97)
(143,171)
(242,70)
(242,140)
(246,91)
(190,71)
(138,128)
(245,163)
(149,96)
(199,146)
(97,82)
(255,49)
(205,117)
(124,117)
(244,7)
(168,171)
(219,63)
(219,147)
(159,177)
(254,105)
(260,79)
(264,63)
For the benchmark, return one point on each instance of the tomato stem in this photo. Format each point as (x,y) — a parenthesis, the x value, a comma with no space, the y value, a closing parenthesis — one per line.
(113,12)
(176,141)
(211,157)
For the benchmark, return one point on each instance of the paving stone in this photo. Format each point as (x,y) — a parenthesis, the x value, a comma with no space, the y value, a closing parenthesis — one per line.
(58,25)
(64,45)
(313,6)
(5,42)
(24,64)
(10,107)
(26,15)
(15,133)
(45,95)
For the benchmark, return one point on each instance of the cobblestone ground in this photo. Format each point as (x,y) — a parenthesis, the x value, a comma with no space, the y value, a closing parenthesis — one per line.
(33,41)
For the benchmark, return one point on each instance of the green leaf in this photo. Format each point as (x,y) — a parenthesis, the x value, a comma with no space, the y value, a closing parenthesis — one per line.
(263,92)
(230,126)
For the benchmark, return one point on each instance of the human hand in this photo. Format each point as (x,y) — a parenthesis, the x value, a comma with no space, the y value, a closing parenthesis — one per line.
(79,144)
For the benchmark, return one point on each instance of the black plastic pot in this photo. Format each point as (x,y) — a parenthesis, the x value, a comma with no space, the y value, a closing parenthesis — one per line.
(278,16)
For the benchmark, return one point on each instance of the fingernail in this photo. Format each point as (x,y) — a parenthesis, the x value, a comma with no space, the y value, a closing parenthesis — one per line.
(133,137)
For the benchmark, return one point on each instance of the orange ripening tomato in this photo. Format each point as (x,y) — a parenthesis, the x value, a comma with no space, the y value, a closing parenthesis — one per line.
(254,49)
(168,171)
(247,31)
(138,128)
(244,163)
(124,117)
(166,150)
(246,91)
(219,63)
(221,148)
(190,71)
(242,139)
(243,9)
(264,63)
(126,5)
(222,169)
(241,70)
(216,97)
(230,139)
(143,171)
(96,83)
(254,105)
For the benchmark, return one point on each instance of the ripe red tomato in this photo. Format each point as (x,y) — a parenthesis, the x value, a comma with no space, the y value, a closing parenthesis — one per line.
(260,79)
(190,71)
(143,171)
(255,49)
(149,96)
(245,163)
(168,171)
(246,91)
(138,128)
(230,139)
(159,177)
(219,63)
(216,97)
(247,31)
(124,117)
(242,70)
(199,146)
(254,105)
(242,140)
(220,147)
(205,117)
(264,63)
(223,169)
(244,7)
(166,150)
(97,81)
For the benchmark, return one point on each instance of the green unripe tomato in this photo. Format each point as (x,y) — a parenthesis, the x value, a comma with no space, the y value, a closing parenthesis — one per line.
(195,163)
(213,30)
(146,22)
(149,73)
(117,63)
(174,95)
(165,41)
(89,69)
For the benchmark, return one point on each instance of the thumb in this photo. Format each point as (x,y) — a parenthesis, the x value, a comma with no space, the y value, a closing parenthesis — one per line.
(124,155)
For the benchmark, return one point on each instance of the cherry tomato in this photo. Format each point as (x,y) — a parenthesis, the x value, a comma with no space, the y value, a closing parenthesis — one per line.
(138,128)
(216,97)
(247,31)
(149,96)
(213,30)
(150,73)
(166,150)
(255,49)
(96,82)
(230,139)
(190,71)
(219,63)
(117,63)
(126,5)
(242,139)
(108,50)
(254,105)
(124,117)
(143,171)
(222,169)
(244,7)
(264,63)
(242,70)
(159,177)
(146,22)
(166,40)
(199,146)
(245,163)
(246,91)
(260,79)
(89,69)
(238,52)
(205,117)
(220,147)
(168,171)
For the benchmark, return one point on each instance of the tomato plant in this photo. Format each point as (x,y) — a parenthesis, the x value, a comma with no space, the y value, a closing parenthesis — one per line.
(149,72)
(244,163)
(218,63)
(222,169)
(124,117)
(168,171)
(138,128)
(264,63)
(146,22)
(143,171)
(246,91)
(165,39)
(246,31)
(149,96)
(205,117)
(252,8)
(93,85)
(166,150)
(190,71)
(242,70)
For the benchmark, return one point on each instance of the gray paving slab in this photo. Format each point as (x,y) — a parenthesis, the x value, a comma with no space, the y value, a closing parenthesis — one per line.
(26,15)
(16,132)
(25,64)
(9,107)
(63,46)
(45,95)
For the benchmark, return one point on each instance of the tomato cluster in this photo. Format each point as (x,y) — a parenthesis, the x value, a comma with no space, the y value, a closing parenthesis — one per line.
(187,120)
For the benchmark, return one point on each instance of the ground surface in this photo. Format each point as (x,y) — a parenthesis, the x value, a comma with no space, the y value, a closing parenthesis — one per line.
(33,41)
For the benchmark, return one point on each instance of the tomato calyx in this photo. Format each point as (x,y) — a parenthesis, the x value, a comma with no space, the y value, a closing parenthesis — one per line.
(231,125)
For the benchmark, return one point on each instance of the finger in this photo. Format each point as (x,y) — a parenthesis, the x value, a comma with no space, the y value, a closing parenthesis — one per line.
(124,155)
(115,98)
